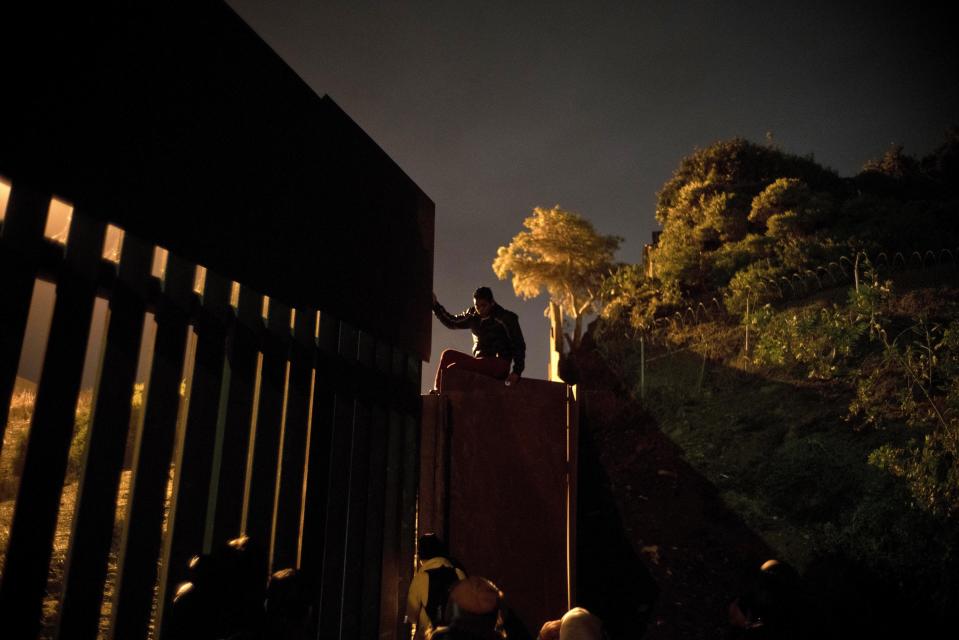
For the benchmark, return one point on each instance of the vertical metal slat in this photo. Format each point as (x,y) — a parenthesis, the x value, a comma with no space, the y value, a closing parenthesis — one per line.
(316,486)
(331,580)
(290,492)
(193,457)
(22,233)
(373,538)
(411,458)
(86,565)
(234,432)
(355,522)
(266,443)
(140,548)
(391,600)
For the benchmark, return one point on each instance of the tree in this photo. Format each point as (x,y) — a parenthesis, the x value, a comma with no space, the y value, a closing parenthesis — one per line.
(719,197)
(561,252)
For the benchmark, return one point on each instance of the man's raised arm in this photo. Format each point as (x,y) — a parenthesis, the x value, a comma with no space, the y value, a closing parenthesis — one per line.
(460,321)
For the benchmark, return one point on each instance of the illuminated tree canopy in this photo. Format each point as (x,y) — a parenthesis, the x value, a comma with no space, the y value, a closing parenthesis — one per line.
(559,252)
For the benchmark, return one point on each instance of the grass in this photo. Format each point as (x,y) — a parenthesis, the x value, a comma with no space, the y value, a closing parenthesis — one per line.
(14,440)
(11,461)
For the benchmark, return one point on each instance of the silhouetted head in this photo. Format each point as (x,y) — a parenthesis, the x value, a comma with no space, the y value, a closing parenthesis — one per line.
(430,546)
(474,605)
(576,624)
(288,606)
(771,600)
(483,301)
(225,592)
(580,624)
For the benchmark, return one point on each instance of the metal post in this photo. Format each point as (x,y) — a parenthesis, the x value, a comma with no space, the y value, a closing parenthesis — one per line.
(747,329)
(855,272)
(702,368)
(642,367)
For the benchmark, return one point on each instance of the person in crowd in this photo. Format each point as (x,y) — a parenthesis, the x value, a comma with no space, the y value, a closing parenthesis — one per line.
(474,612)
(497,340)
(768,608)
(289,607)
(576,624)
(427,598)
(223,597)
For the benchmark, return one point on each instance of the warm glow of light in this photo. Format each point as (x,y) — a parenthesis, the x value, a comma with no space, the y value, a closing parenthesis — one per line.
(266,306)
(58,221)
(235,295)
(4,198)
(306,471)
(249,449)
(113,243)
(199,280)
(159,262)
(292,318)
(279,466)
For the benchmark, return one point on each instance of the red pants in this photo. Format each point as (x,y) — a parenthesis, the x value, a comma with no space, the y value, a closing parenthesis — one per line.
(494,366)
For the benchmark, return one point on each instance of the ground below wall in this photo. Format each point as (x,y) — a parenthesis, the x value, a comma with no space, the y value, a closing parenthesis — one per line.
(657,549)
(659,555)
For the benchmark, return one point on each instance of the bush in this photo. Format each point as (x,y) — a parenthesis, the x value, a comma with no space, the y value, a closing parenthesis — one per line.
(918,383)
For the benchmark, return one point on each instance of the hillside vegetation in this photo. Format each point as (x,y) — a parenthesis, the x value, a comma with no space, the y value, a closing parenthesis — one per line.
(797,335)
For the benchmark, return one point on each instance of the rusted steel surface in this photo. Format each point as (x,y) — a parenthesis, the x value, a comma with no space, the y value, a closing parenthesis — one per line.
(509,509)
(434,465)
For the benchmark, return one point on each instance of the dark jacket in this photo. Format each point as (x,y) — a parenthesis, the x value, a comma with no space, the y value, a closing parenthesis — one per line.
(498,334)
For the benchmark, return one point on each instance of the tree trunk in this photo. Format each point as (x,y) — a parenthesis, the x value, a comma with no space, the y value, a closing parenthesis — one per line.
(577,332)
(557,336)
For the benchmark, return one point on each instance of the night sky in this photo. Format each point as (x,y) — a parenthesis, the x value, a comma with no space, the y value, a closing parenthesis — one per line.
(493,108)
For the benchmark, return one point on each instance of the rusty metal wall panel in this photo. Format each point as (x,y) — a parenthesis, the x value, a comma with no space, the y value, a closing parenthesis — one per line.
(434,474)
(508,499)
(572,444)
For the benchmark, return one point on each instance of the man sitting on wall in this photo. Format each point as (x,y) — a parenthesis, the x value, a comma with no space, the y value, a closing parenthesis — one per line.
(497,339)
